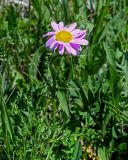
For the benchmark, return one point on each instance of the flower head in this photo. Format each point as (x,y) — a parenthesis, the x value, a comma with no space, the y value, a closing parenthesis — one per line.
(66,38)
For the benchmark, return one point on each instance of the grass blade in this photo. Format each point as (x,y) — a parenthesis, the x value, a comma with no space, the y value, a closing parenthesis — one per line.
(6,123)
(65,10)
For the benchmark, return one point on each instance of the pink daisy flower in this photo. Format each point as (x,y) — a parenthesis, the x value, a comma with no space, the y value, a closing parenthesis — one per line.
(66,38)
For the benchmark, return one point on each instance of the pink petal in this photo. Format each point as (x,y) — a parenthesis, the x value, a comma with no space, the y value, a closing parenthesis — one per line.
(76,31)
(80,41)
(73,51)
(61,25)
(60,42)
(55,46)
(52,44)
(69,49)
(49,34)
(80,35)
(75,46)
(67,46)
(61,49)
(50,41)
(55,26)
(71,27)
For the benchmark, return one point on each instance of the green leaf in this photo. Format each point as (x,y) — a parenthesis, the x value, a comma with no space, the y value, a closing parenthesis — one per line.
(105,123)
(33,66)
(109,54)
(6,123)
(83,96)
(102,153)
(63,103)
(114,132)
(38,7)
(123,146)
(77,151)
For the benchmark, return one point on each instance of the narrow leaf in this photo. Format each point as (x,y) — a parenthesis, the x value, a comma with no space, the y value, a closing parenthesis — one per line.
(77,151)
(33,68)
(63,103)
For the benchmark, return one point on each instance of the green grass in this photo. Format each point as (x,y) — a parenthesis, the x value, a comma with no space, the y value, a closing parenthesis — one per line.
(54,107)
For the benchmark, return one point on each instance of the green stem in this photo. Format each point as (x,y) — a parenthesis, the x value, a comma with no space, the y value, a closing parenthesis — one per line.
(71,69)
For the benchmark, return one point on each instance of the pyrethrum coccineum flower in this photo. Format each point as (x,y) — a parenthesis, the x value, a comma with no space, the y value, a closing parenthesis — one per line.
(66,38)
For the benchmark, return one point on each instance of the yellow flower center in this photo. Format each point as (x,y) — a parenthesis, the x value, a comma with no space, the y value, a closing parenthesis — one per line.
(63,36)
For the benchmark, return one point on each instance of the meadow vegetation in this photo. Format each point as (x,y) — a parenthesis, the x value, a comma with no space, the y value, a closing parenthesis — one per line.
(55,107)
